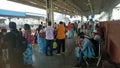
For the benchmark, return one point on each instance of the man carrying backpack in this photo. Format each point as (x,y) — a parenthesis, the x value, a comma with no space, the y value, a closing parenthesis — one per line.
(12,42)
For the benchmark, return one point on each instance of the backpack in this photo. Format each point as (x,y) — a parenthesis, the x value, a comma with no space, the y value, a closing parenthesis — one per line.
(21,42)
(89,52)
(96,46)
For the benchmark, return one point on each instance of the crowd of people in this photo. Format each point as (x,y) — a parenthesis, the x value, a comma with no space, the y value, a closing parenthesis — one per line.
(17,53)
(21,56)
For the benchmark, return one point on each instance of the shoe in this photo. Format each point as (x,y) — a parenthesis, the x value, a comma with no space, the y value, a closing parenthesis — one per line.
(57,53)
(77,65)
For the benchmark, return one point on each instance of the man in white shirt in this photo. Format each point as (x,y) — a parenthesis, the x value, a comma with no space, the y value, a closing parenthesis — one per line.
(79,26)
(49,38)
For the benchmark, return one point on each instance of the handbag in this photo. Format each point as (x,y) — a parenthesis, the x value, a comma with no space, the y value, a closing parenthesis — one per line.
(76,52)
(54,45)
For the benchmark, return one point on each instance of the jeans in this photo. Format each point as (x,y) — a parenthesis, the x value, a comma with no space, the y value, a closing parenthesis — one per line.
(61,43)
(81,57)
(49,43)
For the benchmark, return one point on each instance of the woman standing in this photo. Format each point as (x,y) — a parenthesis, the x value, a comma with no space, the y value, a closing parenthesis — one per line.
(28,53)
(41,39)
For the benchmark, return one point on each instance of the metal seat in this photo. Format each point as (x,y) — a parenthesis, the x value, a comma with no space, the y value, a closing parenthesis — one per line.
(96,57)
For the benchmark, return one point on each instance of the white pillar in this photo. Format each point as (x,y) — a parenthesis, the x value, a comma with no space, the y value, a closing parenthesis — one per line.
(50,15)
(82,18)
(109,15)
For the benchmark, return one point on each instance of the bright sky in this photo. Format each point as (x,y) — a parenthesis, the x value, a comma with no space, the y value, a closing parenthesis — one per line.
(116,13)
(118,5)
(4,4)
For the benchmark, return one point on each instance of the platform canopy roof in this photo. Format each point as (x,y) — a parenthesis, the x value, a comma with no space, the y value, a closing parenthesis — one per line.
(11,13)
(75,7)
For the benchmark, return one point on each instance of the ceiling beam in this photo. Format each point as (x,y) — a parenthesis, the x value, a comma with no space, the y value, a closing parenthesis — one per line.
(74,6)
(62,7)
(114,4)
(91,7)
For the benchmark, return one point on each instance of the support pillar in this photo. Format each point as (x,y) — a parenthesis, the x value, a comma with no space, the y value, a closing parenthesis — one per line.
(109,15)
(9,18)
(82,18)
(50,15)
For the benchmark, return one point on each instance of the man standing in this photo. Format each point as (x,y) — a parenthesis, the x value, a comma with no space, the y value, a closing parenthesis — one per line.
(61,38)
(49,38)
(10,40)
(79,26)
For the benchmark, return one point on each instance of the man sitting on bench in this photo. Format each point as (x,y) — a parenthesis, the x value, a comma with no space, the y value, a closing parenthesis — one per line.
(87,48)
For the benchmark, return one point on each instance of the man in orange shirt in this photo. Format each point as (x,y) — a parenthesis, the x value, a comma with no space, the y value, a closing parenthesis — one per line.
(61,38)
